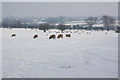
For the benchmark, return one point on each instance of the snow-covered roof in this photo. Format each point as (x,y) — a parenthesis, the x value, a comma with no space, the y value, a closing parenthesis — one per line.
(98,25)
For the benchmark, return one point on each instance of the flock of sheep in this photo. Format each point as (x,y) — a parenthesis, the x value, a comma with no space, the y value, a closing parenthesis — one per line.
(50,37)
(53,36)
(60,35)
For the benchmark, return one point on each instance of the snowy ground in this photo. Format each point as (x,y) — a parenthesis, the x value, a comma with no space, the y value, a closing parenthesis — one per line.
(83,55)
(0,53)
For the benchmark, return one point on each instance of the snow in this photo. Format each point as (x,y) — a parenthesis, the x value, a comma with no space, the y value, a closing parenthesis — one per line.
(0,53)
(83,55)
(75,23)
(98,25)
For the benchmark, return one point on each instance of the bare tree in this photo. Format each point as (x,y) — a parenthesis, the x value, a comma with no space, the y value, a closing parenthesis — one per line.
(111,21)
(44,27)
(95,19)
(62,27)
(16,24)
(105,20)
(90,21)
(108,21)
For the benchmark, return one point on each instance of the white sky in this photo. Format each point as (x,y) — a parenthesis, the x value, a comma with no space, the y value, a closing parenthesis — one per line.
(112,10)
(53,9)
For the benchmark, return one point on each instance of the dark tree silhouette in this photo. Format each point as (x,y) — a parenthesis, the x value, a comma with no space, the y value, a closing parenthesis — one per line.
(44,27)
(62,27)
(90,21)
(108,22)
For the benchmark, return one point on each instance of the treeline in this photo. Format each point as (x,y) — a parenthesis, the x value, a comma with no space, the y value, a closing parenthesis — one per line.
(108,23)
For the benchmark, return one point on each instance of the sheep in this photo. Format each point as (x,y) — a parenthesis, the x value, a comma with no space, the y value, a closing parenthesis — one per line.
(75,31)
(68,35)
(57,32)
(82,31)
(13,35)
(52,36)
(66,31)
(47,34)
(117,31)
(70,31)
(35,36)
(89,32)
(60,36)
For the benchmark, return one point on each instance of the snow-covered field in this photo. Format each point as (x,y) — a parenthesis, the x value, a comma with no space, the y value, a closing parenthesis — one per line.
(83,55)
(0,53)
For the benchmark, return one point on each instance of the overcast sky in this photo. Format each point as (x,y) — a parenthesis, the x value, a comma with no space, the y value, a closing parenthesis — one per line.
(47,9)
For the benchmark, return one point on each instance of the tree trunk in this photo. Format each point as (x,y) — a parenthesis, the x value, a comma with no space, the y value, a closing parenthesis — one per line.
(61,31)
(44,30)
